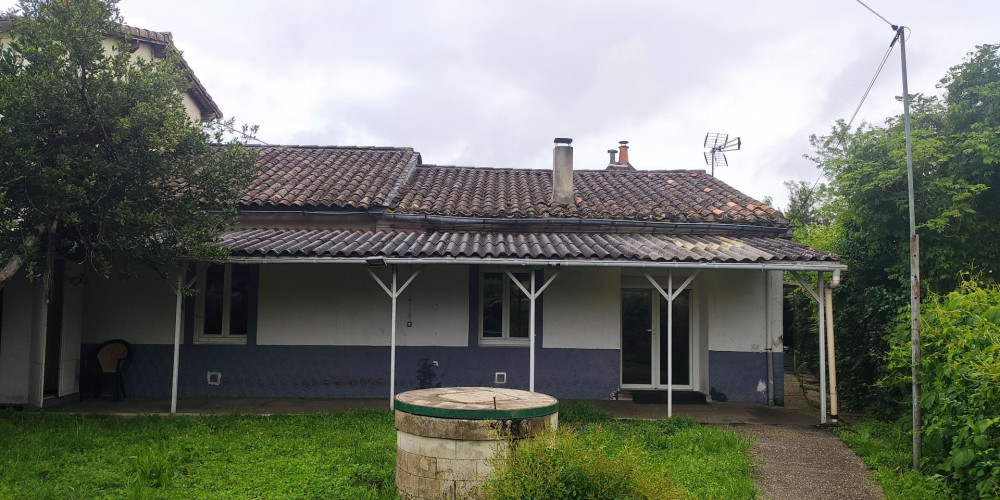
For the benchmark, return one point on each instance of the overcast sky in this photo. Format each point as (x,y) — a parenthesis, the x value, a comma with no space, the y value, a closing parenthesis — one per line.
(492,83)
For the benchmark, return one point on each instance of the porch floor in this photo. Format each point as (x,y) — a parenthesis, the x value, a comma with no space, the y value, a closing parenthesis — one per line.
(711,413)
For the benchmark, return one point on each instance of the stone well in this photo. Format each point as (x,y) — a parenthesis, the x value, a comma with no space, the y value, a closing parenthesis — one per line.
(445,437)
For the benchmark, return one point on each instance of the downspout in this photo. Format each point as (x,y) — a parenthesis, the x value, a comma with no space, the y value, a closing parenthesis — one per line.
(767,339)
(831,351)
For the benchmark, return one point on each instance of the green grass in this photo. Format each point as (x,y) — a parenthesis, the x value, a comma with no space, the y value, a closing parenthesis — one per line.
(886,448)
(349,455)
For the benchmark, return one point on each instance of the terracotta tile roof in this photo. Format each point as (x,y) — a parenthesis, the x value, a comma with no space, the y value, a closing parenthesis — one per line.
(670,196)
(328,177)
(545,246)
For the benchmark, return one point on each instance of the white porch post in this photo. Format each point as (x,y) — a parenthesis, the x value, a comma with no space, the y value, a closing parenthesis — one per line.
(532,295)
(822,348)
(393,294)
(392,342)
(177,340)
(670,294)
(817,295)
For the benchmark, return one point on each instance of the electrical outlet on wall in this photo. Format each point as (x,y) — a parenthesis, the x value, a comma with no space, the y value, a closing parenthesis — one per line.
(214,378)
(500,378)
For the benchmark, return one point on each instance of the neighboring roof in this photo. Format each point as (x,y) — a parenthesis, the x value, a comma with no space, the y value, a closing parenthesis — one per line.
(340,244)
(206,105)
(663,195)
(328,177)
(209,109)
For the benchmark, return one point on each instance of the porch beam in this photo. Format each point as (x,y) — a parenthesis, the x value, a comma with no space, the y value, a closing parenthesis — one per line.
(393,291)
(532,294)
(812,293)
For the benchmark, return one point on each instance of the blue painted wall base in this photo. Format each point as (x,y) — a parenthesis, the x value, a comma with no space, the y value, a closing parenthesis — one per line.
(742,376)
(362,371)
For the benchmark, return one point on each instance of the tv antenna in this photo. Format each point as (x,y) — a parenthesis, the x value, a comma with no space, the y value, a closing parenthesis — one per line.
(717,145)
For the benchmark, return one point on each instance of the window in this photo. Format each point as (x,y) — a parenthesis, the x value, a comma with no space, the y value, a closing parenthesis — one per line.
(223,304)
(505,309)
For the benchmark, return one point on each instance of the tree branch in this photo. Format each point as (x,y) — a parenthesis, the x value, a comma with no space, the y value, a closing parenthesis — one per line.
(14,263)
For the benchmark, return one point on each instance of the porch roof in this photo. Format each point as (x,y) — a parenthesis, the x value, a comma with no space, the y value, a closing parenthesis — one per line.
(625,249)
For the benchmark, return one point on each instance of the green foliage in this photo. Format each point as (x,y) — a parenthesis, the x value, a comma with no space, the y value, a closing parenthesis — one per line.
(956,161)
(960,384)
(886,448)
(565,465)
(99,161)
(674,458)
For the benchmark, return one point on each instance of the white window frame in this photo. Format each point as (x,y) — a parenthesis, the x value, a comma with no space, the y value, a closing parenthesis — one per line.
(200,337)
(505,340)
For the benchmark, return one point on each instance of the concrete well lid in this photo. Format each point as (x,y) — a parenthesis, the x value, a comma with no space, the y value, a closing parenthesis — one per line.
(476,403)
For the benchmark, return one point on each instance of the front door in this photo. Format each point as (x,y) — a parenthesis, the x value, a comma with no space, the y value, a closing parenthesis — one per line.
(644,340)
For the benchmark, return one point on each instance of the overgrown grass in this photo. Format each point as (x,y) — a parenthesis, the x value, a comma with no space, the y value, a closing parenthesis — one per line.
(886,448)
(677,457)
(340,456)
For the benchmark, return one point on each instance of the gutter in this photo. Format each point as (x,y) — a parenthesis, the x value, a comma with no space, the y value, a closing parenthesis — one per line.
(423,220)
(791,266)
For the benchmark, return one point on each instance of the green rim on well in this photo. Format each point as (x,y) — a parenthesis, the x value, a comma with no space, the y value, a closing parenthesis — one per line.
(541,411)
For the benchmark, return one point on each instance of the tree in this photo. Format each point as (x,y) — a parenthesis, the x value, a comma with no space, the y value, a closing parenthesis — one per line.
(99,162)
(956,158)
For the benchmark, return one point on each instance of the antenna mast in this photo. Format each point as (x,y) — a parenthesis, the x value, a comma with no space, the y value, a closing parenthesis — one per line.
(717,145)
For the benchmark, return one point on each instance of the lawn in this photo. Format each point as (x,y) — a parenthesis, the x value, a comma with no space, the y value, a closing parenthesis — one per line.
(347,455)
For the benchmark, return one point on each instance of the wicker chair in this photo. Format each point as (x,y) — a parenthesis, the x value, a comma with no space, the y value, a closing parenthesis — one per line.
(112,358)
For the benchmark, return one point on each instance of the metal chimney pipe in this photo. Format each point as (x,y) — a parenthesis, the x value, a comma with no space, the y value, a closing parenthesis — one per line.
(623,152)
(611,153)
(562,171)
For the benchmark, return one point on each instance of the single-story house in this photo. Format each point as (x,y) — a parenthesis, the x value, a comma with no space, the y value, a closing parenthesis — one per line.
(361,272)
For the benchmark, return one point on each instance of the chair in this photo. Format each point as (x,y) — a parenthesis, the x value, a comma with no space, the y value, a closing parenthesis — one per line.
(112,358)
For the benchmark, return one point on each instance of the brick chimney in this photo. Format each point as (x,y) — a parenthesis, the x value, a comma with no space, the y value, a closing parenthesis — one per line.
(562,171)
(623,152)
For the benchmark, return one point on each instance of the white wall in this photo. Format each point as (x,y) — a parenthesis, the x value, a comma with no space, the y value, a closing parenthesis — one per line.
(340,304)
(15,336)
(139,310)
(736,302)
(582,309)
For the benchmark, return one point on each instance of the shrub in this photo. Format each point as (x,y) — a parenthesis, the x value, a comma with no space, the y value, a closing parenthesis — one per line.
(960,383)
(563,465)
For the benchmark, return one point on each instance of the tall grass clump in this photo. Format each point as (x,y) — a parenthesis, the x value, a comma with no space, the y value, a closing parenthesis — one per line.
(562,464)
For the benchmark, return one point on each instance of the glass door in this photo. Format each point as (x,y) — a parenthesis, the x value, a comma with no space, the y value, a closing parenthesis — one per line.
(637,337)
(682,340)
(644,340)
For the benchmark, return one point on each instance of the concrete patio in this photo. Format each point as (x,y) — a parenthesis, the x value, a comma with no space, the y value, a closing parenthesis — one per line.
(710,413)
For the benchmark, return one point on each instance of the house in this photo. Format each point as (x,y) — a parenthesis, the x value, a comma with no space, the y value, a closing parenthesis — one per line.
(360,272)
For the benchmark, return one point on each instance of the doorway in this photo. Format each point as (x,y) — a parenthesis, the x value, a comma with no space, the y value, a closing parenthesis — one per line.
(54,332)
(644,340)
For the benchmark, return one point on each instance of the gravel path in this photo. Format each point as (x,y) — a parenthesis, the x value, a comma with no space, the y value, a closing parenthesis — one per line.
(806,462)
